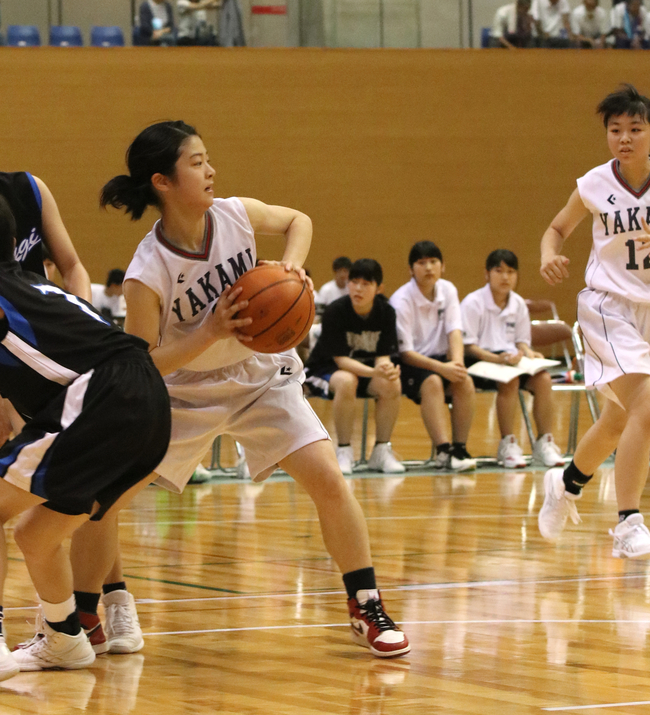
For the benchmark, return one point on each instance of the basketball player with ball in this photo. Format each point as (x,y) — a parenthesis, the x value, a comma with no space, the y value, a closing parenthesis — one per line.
(182,299)
(614,316)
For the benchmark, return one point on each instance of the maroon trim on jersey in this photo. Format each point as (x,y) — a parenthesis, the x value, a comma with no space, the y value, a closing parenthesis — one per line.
(625,185)
(207,240)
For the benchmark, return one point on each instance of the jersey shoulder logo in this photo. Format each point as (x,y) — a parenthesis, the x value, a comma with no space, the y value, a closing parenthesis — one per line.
(181,278)
(284,370)
(611,198)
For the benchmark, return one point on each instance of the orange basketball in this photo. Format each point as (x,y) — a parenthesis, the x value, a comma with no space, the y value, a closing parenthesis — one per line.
(281,306)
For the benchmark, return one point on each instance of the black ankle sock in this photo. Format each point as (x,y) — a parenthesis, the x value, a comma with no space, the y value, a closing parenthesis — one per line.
(71,626)
(87,602)
(117,586)
(344,445)
(360,580)
(444,447)
(624,513)
(574,479)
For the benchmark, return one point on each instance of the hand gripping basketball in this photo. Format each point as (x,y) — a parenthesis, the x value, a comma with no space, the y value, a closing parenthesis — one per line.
(281,306)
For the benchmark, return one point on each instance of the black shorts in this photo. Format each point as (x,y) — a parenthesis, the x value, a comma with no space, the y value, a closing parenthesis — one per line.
(107,431)
(318,385)
(413,377)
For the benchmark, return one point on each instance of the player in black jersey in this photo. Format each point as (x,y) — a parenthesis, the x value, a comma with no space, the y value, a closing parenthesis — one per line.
(97,424)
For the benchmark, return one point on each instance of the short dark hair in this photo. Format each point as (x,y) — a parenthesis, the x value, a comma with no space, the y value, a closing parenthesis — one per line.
(341,262)
(7,231)
(368,270)
(626,100)
(424,249)
(501,255)
(115,277)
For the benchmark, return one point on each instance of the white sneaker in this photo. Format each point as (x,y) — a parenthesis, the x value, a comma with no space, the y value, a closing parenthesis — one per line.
(558,506)
(509,454)
(546,452)
(121,625)
(201,475)
(345,458)
(631,538)
(383,460)
(8,666)
(51,649)
(455,460)
(242,469)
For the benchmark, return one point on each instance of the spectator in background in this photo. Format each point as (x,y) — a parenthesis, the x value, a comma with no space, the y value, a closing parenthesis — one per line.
(513,26)
(156,21)
(430,334)
(553,22)
(193,28)
(497,329)
(590,24)
(629,25)
(352,358)
(338,287)
(108,299)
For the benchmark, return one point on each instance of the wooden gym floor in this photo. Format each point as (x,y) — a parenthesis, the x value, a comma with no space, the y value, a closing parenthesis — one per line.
(244,612)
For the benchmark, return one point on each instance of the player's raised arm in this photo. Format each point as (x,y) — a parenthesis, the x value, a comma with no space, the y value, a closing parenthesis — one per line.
(554,264)
(280,220)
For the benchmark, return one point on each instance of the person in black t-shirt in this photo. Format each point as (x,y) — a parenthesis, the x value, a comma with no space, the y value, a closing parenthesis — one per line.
(72,376)
(352,359)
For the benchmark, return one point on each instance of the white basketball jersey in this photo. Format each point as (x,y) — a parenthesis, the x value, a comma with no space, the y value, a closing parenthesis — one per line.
(188,284)
(615,265)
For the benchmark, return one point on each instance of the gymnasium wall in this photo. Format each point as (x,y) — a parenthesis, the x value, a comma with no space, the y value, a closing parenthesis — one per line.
(473,149)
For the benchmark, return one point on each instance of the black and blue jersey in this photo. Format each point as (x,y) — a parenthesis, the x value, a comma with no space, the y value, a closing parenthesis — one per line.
(24,197)
(48,338)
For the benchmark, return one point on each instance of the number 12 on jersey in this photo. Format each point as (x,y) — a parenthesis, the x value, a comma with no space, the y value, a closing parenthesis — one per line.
(632,265)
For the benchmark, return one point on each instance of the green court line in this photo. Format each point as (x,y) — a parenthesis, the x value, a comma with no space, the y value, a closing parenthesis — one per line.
(187,585)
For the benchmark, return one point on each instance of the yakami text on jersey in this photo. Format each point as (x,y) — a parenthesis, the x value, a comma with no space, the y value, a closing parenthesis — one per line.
(624,221)
(200,295)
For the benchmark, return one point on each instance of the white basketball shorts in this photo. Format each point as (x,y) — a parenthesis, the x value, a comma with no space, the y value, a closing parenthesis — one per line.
(258,401)
(616,334)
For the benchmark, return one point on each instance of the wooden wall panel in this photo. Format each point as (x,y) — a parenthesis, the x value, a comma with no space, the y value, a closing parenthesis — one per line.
(473,149)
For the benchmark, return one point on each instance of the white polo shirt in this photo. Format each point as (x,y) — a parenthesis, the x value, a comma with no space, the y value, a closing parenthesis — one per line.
(590,24)
(491,328)
(550,15)
(330,292)
(422,324)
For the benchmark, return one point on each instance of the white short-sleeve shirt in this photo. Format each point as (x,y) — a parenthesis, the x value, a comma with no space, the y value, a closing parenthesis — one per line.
(505,21)
(115,303)
(618,13)
(423,325)
(589,24)
(330,292)
(550,16)
(493,328)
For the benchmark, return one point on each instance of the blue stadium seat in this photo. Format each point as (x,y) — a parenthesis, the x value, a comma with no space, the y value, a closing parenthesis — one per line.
(106,36)
(23,36)
(65,36)
(485,37)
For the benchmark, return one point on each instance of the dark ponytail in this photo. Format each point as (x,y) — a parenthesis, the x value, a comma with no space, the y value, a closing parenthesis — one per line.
(154,151)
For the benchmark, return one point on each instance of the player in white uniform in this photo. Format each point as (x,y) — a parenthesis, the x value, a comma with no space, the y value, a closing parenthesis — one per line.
(614,315)
(179,297)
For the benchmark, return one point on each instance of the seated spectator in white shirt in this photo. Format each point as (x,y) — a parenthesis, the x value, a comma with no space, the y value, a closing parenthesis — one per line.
(629,22)
(497,329)
(108,299)
(338,287)
(513,26)
(553,21)
(590,24)
(193,28)
(430,336)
